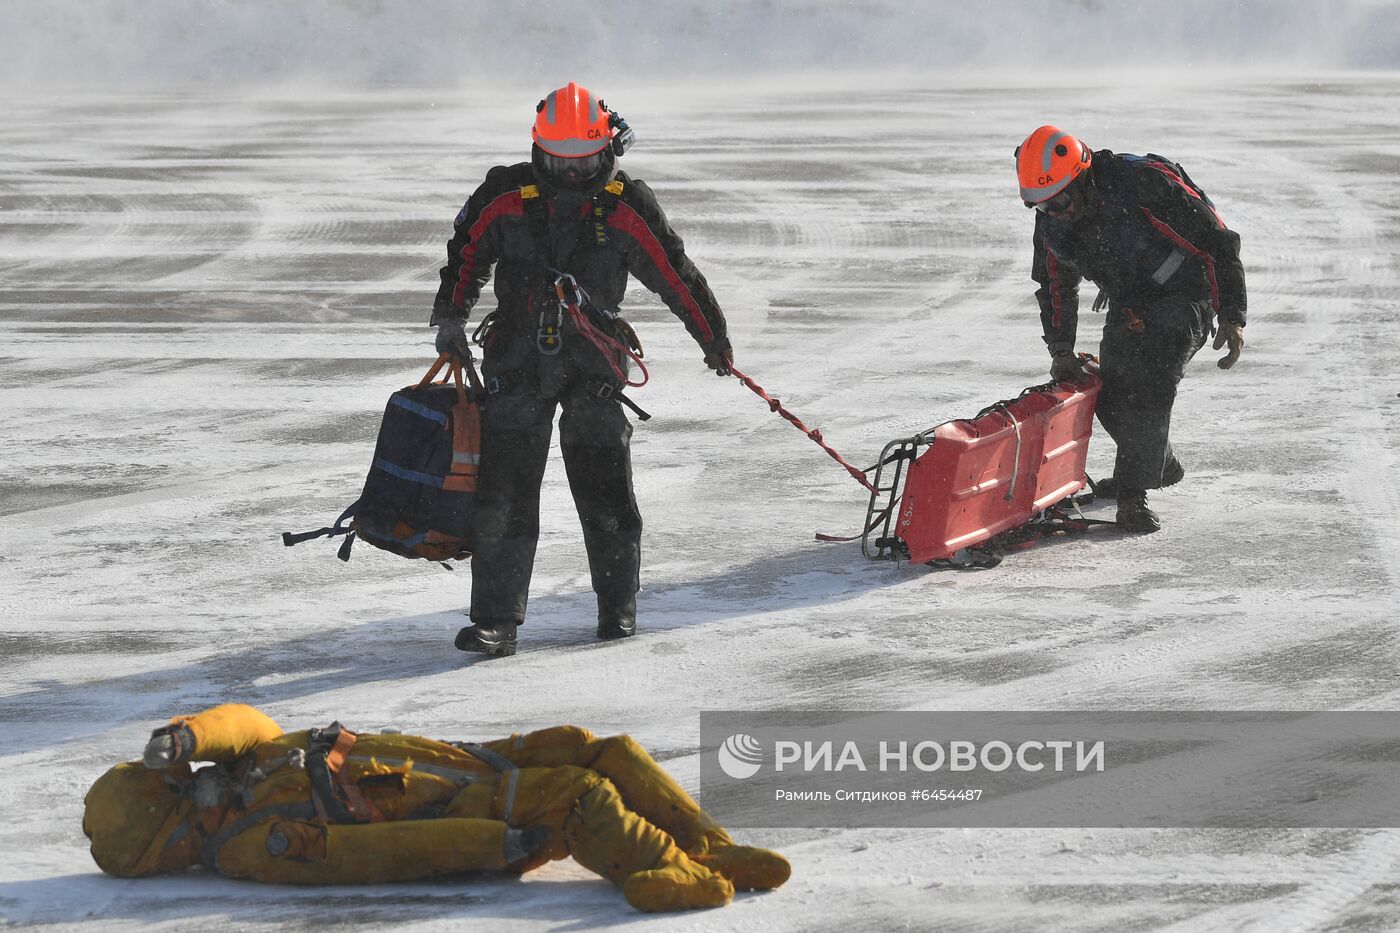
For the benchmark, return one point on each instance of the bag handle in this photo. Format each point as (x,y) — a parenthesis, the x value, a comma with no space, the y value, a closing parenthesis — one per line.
(454,367)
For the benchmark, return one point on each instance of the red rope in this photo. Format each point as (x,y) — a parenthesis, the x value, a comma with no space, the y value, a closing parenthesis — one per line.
(604,343)
(775,405)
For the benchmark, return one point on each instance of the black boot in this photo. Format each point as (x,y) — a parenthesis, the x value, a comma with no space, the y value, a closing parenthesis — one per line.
(617,618)
(1133,513)
(1172,474)
(494,638)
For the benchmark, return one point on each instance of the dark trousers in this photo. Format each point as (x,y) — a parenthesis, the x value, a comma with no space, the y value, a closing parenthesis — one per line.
(594,435)
(1142,358)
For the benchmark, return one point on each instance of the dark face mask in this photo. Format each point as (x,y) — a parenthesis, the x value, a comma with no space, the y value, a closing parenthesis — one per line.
(1077,200)
(584,175)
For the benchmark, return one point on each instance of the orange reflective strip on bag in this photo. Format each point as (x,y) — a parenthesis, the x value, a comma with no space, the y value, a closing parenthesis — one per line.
(466,448)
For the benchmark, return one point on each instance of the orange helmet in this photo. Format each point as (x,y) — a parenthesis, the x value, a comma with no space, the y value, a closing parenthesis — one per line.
(571,123)
(1047,162)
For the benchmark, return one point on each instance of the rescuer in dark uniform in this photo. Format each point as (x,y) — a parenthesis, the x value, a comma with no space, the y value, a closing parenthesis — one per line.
(1169,270)
(563,231)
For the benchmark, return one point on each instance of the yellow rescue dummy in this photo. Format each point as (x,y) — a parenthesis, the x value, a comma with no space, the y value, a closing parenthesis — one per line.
(327,806)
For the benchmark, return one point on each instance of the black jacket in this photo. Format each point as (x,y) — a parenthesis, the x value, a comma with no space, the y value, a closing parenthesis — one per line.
(1153,234)
(599,241)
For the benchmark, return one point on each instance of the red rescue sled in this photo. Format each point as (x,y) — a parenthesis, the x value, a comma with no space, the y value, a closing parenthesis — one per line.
(979,478)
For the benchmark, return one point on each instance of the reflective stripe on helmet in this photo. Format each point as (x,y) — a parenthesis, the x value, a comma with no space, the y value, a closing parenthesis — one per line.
(571,148)
(1047,152)
(1036,195)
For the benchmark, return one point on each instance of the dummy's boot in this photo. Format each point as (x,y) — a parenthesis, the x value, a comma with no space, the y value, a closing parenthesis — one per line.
(604,836)
(617,618)
(494,638)
(748,868)
(654,795)
(1172,474)
(1133,513)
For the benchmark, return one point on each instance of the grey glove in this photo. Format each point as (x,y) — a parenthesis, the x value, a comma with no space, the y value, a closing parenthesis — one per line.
(452,337)
(169,746)
(1065,367)
(522,843)
(718,355)
(1233,335)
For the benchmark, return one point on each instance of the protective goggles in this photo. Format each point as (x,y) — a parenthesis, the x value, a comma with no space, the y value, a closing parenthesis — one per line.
(579,168)
(1056,205)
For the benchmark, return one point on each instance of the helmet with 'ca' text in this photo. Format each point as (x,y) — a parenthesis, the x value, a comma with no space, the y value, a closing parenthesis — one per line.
(577,140)
(1047,162)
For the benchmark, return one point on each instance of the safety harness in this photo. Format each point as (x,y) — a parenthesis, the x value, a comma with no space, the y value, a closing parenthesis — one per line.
(332,800)
(573,303)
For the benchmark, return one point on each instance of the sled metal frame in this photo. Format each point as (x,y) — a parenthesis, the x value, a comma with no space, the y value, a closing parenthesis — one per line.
(887,504)
(885,497)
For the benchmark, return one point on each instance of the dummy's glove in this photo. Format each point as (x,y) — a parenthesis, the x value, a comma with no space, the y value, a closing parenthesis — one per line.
(452,337)
(1233,335)
(1065,367)
(523,843)
(169,746)
(718,355)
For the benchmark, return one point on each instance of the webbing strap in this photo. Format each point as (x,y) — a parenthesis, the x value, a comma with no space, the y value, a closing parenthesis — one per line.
(344,741)
(339,528)
(537,219)
(574,300)
(486,756)
(875,520)
(511,784)
(209,855)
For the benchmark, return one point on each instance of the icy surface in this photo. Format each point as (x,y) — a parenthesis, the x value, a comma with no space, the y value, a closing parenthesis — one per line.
(205,301)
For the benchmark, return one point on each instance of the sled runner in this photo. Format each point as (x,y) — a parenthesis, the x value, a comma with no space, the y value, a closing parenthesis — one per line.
(960,484)
(418,498)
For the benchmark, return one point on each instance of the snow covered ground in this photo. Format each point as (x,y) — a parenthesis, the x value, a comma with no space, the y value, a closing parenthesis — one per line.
(204,301)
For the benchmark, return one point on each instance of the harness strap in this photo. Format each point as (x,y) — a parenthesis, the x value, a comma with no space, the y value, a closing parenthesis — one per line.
(209,854)
(325,755)
(549,335)
(605,390)
(486,756)
(341,744)
(512,783)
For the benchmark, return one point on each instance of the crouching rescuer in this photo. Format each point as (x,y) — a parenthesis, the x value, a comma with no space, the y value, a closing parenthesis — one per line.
(563,232)
(1167,267)
(327,806)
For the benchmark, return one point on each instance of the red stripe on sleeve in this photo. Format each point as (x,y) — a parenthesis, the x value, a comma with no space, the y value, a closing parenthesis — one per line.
(1206,259)
(1181,183)
(631,223)
(509,204)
